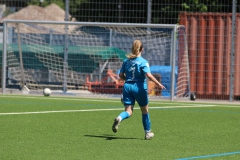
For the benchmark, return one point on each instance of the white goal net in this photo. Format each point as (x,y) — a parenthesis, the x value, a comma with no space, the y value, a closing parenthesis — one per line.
(79,56)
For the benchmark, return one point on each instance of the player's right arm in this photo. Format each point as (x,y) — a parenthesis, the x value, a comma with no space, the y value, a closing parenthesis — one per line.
(122,76)
(122,70)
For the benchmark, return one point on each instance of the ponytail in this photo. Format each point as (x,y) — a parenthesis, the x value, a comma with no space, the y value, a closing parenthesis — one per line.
(137,48)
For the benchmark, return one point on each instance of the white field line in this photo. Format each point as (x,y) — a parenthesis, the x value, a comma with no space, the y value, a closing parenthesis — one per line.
(94,100)
(59,98)
(95,110)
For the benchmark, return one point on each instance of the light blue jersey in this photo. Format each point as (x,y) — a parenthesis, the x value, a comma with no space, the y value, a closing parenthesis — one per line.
(135,86)
(135,69)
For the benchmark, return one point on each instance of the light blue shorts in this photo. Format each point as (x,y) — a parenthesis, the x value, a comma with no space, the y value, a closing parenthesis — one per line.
(135,91)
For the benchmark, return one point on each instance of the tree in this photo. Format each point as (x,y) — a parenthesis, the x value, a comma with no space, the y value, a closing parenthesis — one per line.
(112,11)
(134,11)
(162,12)
(60,3)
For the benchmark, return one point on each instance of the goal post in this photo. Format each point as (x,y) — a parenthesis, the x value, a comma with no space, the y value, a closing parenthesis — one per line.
(88,55)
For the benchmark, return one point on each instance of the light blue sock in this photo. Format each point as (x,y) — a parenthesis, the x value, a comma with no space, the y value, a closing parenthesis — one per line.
(124,115)
(146,122)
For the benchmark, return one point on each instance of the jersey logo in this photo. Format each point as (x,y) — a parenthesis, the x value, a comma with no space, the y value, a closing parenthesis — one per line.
(147,65)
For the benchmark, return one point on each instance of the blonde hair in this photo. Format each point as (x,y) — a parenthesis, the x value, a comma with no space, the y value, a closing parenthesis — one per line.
(136,49)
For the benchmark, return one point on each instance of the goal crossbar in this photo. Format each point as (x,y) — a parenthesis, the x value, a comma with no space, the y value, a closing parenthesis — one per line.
(102,24)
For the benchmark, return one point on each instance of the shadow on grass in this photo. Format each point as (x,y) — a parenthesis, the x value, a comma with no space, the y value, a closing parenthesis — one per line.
(108,137)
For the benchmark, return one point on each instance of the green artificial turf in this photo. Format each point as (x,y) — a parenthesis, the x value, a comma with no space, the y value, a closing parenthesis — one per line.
(67,128)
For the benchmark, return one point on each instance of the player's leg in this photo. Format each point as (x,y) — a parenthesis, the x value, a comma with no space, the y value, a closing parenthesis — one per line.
(128,101)
(127,113)
(146,122)
(141,95)
(123,115)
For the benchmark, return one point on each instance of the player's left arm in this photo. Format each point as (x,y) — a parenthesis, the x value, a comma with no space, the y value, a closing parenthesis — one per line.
(146,69)
(151,77)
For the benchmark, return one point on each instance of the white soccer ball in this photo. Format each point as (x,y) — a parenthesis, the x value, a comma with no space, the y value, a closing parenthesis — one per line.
(46,92)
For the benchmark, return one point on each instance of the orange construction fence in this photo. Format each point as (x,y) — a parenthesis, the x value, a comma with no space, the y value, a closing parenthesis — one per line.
(209,48)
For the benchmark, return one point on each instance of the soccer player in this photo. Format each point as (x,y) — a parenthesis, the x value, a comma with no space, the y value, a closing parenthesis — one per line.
(134,71)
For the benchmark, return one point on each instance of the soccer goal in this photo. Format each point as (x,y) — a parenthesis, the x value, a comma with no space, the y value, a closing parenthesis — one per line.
(77,56)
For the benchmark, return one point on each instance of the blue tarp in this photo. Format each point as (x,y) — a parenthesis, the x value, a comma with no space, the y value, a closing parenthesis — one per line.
(166,76)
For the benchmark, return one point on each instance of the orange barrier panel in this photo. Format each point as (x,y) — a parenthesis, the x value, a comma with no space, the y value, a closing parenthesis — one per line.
(210,55)
(209,41)
(193,52)
(201,55)
(227,56)
(219,55)
(184,21)
(237,58)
